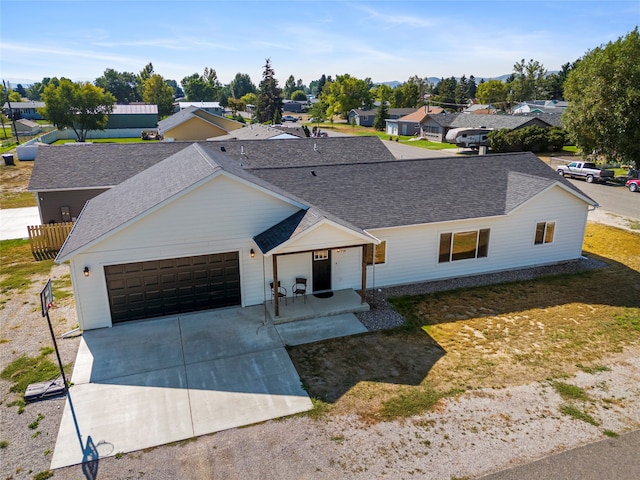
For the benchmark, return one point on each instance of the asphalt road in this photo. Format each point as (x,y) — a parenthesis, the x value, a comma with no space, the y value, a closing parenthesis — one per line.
(612,197)
(610,459)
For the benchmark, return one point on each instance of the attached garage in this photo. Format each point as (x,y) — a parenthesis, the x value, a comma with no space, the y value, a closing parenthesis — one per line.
(170,286)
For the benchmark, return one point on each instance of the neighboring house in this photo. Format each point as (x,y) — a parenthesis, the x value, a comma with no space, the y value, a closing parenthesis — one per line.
(208,228)
(211,107)
(193,124)
(366,118)
(28,110)
(541,106)
(435,127)
(257,131)
(411,124)
(133,116)
(27,127)
(479,108)
(64,177)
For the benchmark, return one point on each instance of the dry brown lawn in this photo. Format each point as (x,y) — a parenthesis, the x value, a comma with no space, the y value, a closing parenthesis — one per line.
(486,337)
(14,180)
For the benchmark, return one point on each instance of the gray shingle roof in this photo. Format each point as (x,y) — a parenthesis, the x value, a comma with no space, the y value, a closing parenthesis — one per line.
(462,120)
(70,167)
(138,194)
(358,195)
(304,151)
(409,192)
(255,131)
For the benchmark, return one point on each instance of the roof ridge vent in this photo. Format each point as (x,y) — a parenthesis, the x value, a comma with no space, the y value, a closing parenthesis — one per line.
(315,147)
(241,150)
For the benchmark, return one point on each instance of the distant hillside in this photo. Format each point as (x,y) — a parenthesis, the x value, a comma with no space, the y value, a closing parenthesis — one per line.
(436,80)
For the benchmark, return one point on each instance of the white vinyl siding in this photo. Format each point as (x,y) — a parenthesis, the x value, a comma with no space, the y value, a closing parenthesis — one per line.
(221,216)
(412,252)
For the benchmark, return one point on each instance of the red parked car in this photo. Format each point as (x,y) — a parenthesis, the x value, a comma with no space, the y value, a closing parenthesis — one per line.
(633,184)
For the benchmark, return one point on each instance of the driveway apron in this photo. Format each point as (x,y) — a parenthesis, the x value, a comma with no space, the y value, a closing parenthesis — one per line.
(158,381)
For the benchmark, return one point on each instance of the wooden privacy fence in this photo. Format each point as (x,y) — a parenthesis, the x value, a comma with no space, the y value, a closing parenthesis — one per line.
(46,240)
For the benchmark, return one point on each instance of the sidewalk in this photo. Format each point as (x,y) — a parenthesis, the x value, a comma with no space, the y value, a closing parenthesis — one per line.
(14,222)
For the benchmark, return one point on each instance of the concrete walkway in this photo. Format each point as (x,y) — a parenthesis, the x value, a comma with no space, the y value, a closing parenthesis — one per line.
(14,222)
(152,382)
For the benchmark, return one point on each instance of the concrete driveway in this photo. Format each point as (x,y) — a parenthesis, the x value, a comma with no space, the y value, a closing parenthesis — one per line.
(14,222)
(153,382)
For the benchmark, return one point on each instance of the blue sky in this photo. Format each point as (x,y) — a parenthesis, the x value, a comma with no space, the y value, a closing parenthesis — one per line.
(384,40)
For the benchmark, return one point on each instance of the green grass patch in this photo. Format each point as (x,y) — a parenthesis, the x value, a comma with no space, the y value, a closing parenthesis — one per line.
(611,434)
(25,370)
(3,444)
(630,320)
(43,475)
(575,412)
(18,265)
(593,369)
(570,392)
(18,200)
(62,287)
(412,402)
(33,425)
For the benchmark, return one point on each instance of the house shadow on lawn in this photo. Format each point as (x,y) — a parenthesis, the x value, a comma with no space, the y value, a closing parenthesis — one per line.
(330,368)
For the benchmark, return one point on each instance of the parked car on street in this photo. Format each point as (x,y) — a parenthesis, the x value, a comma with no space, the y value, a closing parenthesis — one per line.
(289,118)
(633,184)
(587,170)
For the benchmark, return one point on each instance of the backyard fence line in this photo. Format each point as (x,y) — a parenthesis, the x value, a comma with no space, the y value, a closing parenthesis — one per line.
(47,240)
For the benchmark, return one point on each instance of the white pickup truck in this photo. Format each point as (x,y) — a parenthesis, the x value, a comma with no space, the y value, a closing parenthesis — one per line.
(586,170)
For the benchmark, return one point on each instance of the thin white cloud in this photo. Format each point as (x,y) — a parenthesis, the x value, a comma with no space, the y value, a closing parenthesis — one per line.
(395,20)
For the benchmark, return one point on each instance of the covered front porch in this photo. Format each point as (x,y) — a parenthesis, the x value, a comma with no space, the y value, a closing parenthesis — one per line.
(303,307)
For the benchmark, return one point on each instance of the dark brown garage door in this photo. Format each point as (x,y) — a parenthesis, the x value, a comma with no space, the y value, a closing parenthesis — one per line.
(176,285)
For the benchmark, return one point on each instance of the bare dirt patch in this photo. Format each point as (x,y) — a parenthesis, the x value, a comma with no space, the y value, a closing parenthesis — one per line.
(14,180)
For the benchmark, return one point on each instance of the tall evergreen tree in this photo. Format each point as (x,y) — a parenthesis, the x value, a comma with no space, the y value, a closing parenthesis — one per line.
(268,98)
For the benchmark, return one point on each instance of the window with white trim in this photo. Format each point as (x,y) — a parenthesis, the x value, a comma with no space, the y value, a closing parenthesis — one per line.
(463,245)
(544,232)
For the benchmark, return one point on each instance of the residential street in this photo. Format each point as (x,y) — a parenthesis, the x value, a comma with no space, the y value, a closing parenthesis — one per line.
(613,458)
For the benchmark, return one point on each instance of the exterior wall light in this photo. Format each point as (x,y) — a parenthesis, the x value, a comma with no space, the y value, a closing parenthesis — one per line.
(86,271)
(252,253)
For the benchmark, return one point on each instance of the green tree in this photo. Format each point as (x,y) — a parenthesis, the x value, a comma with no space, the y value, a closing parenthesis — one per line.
(444,93)
(249,99)
(80,106)
(318,111)
(299,96)
(345,94)
(289,87)
(34,92)
(378,92)
(603,91)
(241,85)
(122,85)
(202,88)
(492,92)
(20,89)
(177,91)
(155,91)
(381,115)
(269,96)
(236,105)
(528,80)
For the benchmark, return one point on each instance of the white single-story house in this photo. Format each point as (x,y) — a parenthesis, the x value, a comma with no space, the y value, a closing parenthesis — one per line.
(202,229)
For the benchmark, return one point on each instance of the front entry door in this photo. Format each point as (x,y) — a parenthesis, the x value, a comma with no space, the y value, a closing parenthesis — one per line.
(321,270)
